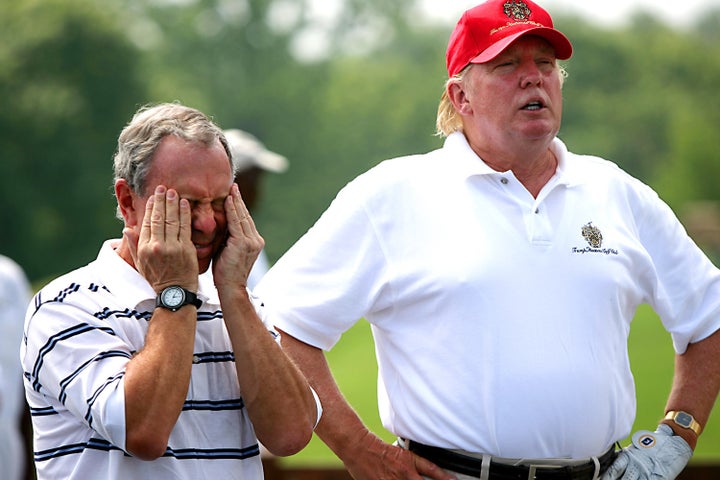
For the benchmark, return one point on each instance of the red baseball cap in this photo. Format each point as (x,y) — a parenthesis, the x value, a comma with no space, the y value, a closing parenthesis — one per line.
(489,28)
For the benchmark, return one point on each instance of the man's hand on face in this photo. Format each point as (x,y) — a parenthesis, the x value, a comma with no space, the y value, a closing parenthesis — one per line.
(234,261)
(163,252)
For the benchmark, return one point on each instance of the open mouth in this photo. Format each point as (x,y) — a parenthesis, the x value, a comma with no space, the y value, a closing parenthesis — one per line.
(203,247)
(533,106)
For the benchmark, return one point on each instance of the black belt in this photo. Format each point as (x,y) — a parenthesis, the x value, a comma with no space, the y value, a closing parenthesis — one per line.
(467,465)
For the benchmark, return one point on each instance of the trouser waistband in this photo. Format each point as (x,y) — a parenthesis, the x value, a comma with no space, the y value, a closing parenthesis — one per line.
(490,469)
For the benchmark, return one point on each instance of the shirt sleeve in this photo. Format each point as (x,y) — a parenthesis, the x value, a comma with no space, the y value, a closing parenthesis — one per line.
(78,363)
(687,284)
(330,278)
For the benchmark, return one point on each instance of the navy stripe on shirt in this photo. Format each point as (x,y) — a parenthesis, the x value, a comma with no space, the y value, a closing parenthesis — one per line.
(55,339)
(41,412)
(91,400)
(67,380)
(205,316)
(213,357)
(214,454)
(106,313)
(214,405)
(74,448)
(180,454)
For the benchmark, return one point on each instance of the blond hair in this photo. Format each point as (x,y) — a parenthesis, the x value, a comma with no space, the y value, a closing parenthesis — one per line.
(448,119)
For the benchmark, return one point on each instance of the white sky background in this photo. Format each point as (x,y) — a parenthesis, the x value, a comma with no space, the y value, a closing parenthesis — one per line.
(312,44)
(604,12)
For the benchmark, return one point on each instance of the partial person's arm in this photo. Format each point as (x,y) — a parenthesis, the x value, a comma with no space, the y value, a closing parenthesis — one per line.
(277,396)
(365,455)
(696,384)
(157,378)
(663,454)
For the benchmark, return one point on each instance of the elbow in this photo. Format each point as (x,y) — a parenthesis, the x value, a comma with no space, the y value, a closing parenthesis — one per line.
(146,445)
(298,432)
(290,443)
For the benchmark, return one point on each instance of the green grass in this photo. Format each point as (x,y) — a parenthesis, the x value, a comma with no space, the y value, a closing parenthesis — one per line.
(652,359)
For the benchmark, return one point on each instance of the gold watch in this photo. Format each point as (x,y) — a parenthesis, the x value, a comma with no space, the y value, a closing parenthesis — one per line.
(685,420)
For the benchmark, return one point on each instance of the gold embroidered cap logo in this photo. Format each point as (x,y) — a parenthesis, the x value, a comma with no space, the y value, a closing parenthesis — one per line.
(592,235)
(517,11)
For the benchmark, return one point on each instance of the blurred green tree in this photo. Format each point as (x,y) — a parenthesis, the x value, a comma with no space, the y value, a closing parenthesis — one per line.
(632,94)
(335,91)
(334,86)
(68,80)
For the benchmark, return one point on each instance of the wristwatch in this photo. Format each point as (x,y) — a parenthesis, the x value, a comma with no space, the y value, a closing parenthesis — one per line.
(175,297)
(685,420)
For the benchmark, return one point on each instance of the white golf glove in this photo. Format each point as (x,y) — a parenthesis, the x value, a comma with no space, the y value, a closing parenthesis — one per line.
(658,455)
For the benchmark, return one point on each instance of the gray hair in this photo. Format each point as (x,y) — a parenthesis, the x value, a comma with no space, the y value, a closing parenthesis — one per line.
(150,124)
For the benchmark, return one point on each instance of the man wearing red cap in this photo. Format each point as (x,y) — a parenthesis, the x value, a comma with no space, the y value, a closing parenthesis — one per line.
(500,275)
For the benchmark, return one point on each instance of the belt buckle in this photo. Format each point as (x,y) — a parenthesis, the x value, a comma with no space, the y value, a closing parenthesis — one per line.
(532,470)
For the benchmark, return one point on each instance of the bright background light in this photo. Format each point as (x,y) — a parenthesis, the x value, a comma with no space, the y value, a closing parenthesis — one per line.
(607,12)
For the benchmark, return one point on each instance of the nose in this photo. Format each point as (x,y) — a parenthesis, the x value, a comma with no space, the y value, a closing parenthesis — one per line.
(203,218)
(530,75)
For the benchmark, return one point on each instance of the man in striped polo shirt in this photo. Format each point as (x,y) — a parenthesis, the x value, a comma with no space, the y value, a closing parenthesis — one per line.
(151,361)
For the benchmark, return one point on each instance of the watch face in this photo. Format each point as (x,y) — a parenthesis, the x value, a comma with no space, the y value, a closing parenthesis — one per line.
(173,296)
(683,419)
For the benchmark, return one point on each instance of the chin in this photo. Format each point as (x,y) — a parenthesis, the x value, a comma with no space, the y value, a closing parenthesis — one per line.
(541,134)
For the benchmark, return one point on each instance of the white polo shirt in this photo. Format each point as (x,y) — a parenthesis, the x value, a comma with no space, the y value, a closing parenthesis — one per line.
(80,333)
(500,320)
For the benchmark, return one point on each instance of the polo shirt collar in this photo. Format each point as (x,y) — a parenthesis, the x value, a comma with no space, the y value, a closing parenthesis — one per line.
(126,282)
(567,172)
(464,160)
(468,163)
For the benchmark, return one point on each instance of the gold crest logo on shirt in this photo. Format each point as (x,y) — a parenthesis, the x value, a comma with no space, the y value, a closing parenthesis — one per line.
(517,11)
(593,235)
(594,238)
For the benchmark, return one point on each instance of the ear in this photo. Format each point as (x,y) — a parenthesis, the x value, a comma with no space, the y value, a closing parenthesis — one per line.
(126,202)
(458,97)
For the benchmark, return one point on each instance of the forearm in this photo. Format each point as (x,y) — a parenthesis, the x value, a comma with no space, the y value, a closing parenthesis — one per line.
(340,427)
(365,455)
(696,383)
(276,394)
(157,381)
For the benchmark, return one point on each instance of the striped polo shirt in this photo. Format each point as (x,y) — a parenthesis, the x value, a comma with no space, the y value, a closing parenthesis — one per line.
(80,332)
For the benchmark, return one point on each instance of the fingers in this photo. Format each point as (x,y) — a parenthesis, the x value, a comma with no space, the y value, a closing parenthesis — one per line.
(163,251)
(617,469)
(146,228)
(238,213)
(157,213)
(172,215)
(185,233)
(429,470)
(167,217)
(231,209)
(243,244)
